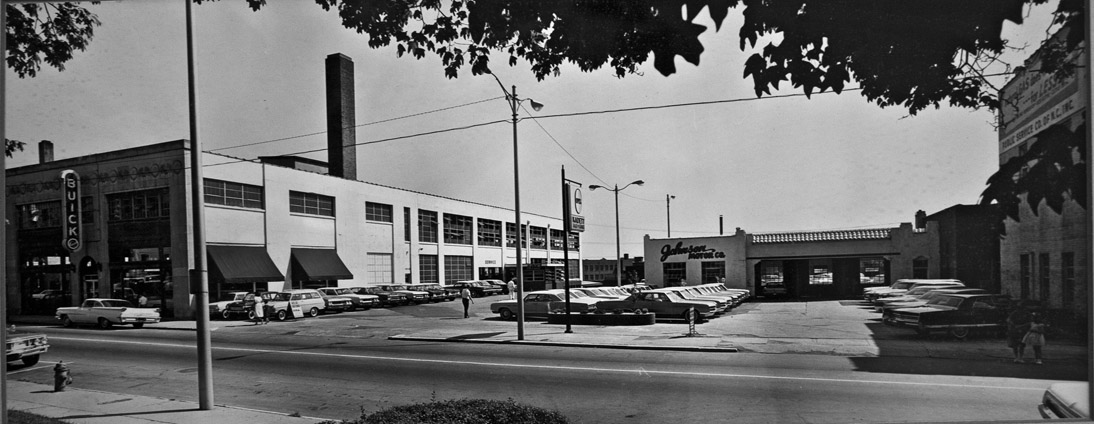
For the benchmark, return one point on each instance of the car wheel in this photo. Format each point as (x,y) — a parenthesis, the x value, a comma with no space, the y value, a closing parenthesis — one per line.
(251,314)
(691,315)
(66,322)
(959,333)
(105,323)
(282,315)
(225,314)
(138,325)
(506,314)
(313,312)
(30,360)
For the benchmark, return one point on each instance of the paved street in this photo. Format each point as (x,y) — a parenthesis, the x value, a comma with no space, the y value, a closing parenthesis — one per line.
(809,357)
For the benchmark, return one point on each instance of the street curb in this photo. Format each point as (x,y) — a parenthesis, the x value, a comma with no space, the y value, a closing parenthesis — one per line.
(404,337)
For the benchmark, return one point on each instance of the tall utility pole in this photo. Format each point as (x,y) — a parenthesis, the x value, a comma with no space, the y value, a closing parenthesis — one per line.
(199,276)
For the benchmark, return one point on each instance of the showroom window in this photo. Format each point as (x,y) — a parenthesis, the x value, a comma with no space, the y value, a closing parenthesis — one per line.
(820,275)
(40,215)
(713,271)
(406,224)
(1043,276)
(872,271)
(311,204)
(674,272)
(539,237)
(1024,274)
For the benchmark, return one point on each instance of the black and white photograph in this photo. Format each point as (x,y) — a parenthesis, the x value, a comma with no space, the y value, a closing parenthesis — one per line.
(496,211)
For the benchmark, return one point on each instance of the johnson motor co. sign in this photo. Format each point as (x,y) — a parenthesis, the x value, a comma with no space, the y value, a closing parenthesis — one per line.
(692,251)
(70,203)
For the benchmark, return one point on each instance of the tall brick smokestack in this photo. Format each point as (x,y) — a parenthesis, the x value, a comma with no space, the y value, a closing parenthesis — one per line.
(45,151)
(341,120)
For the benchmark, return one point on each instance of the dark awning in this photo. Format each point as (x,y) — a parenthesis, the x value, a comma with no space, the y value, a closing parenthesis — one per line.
(242,264)
(318,264)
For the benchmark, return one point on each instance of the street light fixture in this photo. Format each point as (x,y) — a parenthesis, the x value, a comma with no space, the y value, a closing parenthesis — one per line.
(618,260)
(514,104)
(668,215)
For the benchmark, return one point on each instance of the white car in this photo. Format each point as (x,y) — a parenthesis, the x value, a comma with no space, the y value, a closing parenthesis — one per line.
(308,301)
(106,313)
(360,301)
(542,302)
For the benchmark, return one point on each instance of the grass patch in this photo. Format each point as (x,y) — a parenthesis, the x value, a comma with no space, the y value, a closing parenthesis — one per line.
(461,411)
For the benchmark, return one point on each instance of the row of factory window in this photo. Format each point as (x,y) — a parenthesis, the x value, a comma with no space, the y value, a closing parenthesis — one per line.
(457,229)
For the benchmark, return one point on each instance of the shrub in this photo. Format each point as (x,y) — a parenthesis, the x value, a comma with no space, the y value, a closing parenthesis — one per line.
(462,411)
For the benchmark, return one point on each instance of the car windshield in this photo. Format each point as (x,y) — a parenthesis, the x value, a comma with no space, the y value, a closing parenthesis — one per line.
(675,296)
(920,290)
(902,285)
(281,296)
(115,303)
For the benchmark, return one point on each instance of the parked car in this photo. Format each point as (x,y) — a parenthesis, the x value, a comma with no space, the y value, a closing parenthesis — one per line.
(721,304)
(436,292)
(911,295)
(244,308)
(106,313)
(499,284)
(335,303)
(958,314)
(599,292)
(358,301)
(477,288)
(889,307)
(26,347)
(219,309)
(665,304)
(387,298)
(539,303)
(414,295)
(902,286)
(308,301)
(1066,400)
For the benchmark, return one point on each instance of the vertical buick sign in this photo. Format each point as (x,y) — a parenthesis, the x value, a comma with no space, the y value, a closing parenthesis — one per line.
(70,204)
(577,222)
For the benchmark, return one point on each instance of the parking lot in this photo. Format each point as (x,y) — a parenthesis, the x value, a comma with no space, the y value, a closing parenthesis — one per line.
(829,327)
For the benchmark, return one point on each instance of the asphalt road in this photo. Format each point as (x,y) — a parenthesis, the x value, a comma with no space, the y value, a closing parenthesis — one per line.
(338,376)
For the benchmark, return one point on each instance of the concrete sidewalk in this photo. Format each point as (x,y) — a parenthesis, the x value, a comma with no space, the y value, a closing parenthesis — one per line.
(76,405)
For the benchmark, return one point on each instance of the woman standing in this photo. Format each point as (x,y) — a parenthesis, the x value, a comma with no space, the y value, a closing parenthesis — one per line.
(260,311)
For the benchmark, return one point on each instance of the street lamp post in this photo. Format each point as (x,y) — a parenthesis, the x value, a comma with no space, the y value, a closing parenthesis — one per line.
(668,215)
(514,104)
(618,259)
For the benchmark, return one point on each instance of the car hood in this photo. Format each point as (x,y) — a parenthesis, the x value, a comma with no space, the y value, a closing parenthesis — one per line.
(926,309)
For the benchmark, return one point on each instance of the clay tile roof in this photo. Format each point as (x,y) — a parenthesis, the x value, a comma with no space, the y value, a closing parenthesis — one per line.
(813,236)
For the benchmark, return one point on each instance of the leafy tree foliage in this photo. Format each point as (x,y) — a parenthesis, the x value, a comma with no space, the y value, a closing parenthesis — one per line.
(908,53)
(1051,171)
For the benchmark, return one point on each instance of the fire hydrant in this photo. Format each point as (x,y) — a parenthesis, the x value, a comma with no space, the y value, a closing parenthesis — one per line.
(61,377)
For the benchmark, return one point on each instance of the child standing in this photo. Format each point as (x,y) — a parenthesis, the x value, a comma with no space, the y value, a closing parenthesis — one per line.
(1036,337)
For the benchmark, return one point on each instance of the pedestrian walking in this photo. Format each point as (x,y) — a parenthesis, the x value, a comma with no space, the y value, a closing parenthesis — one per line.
(260,311)
(1035,337)
(1018,323)
(512,289)
(465,295)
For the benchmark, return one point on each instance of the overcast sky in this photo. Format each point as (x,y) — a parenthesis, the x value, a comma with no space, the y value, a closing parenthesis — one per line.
(766,165)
